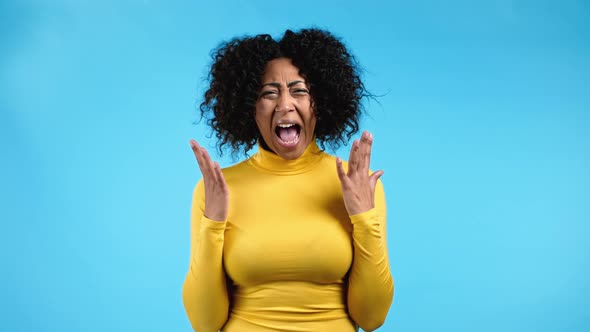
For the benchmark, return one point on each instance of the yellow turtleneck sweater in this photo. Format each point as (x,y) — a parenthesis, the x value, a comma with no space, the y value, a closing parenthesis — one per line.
(288,257)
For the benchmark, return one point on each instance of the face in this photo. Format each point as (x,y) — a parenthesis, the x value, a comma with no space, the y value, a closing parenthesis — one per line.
(284,112)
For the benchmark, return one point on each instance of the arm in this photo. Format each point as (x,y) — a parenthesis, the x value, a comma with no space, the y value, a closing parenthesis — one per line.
(370,285)
(205,293)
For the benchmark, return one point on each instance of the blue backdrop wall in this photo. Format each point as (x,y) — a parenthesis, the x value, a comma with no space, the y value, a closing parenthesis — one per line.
(482,130)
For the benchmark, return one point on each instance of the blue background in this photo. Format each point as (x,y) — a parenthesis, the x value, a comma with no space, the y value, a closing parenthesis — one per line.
(482,130)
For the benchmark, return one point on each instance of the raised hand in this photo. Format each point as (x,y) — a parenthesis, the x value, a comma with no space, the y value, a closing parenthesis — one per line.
(216,191)
(358,187)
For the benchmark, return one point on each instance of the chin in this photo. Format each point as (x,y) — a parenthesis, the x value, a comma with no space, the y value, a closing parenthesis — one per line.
(290,153)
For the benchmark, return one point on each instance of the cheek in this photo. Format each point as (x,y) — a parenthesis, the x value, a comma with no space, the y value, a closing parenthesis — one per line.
(311,123)
(257,118)
(263,111)
(262,120)
(258,112)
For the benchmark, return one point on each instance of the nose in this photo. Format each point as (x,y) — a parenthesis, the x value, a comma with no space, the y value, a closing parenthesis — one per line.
(285,103)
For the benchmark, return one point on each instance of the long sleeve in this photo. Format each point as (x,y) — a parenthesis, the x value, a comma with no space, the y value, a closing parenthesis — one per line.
(204,292)
(370,289)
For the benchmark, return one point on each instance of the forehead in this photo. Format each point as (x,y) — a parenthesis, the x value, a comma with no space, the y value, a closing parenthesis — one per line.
(281,70)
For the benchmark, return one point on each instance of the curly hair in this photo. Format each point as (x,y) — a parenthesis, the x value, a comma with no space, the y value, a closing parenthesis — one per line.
(235,77)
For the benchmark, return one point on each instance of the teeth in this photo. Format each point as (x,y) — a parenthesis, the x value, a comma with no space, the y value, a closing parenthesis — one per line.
(292,142)
(286,125)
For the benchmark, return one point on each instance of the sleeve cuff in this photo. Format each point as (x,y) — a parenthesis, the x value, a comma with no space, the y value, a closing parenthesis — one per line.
(212,231)
(211,224)
(367,224)
(366,217)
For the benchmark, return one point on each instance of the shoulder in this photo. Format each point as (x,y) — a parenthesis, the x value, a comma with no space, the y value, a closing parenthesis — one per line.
(238,167)
(237,171)
(228,172)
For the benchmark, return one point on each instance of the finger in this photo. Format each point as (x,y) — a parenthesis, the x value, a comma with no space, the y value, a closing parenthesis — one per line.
(198,154)
(218,174)
(194,146)
(220,177)
(208,164)
(365,151)
(202,160)
(353,158)
(215,171)
(340,170)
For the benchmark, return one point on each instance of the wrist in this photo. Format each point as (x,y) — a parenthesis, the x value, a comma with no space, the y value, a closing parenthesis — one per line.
(215,216)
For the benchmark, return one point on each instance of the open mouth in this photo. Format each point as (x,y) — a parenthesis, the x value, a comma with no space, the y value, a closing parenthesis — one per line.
(288,133)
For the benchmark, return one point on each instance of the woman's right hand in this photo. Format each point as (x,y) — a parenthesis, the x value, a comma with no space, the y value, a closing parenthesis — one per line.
(216,191)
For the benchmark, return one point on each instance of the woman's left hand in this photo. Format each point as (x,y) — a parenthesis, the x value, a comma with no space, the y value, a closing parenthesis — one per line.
(358,187)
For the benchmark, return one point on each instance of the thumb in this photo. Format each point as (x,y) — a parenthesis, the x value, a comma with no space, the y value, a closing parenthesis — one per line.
(340,169)
(374,178)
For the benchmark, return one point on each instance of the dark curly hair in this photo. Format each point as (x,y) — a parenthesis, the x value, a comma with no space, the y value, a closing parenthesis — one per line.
(235,79)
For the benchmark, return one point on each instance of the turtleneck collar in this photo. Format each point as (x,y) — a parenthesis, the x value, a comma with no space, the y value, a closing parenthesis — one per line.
(272,163)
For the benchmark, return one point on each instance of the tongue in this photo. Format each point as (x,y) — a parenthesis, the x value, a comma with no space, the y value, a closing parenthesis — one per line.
(288,134)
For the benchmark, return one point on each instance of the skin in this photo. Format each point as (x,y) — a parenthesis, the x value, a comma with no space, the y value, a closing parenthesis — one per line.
(284,98)
(358,187)
(216,191)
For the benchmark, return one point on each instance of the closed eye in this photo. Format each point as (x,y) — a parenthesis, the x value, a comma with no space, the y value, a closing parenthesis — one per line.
(269,94)
(300,92)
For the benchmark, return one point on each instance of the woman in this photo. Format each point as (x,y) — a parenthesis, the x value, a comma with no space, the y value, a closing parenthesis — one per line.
(291,239)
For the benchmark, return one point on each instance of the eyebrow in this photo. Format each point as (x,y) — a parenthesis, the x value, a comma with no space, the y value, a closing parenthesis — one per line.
(278,85)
